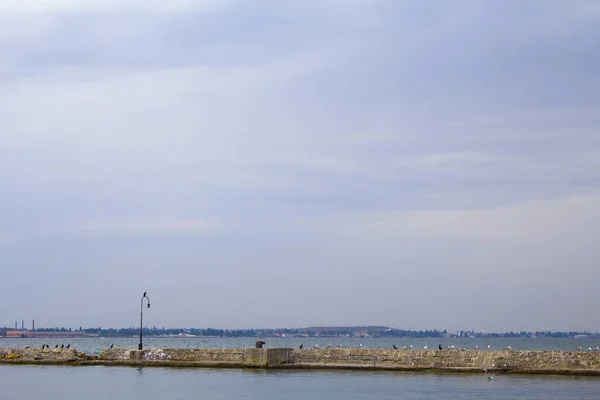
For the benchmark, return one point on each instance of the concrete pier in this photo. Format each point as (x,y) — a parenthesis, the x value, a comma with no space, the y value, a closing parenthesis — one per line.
(479,361)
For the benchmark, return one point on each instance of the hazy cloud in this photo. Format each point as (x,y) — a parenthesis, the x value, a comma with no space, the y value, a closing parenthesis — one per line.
(305,162)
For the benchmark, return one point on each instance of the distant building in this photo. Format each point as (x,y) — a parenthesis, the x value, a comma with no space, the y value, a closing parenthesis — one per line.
(47,334)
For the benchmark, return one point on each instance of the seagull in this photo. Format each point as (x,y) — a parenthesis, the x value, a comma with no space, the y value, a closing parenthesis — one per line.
(489,347)
(490,378)
(597,348)
(404,347)
(425,347)
(316,346)
(69,345)
(56,347)
(410,346)
(62,346)
(301,346)
(476,347)
(508,348)
(589,349)
(27,347)
(111,346)
(360,346)
(394,346)
(43,346)
(329,346)
(579,348)
(440,347)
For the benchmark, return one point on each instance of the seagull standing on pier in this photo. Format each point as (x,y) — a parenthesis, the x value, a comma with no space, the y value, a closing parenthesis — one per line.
(440,347)
(394,346)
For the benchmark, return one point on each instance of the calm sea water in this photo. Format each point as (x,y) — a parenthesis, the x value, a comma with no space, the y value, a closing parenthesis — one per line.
(95,383)
(95,345)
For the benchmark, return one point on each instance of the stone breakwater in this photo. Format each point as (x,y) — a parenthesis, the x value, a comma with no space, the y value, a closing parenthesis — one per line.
(527,362)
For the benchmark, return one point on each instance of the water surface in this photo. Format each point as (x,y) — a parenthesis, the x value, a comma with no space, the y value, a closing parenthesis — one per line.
(95,383)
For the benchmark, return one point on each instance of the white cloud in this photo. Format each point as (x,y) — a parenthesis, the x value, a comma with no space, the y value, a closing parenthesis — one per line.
(36,6)
(151,226)
(532,220)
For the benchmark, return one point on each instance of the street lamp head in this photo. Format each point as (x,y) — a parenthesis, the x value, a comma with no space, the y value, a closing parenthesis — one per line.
(148,305)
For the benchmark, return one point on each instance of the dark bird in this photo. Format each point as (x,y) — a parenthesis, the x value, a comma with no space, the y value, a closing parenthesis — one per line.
(440,347)
(394,346)
(62,346)
(56,347)
(69,345)
(43,346)
(301,346)
(47,346)
(111,346)
(260,343)
(27,347)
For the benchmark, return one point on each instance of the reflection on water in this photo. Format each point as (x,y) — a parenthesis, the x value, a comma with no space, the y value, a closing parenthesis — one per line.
(95,383)
(96,345)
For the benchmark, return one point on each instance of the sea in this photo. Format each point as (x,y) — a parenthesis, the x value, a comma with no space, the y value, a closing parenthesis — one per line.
(149,383)
(94,346)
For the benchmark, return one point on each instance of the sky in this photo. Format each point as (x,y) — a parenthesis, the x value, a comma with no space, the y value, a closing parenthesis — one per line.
(264,164)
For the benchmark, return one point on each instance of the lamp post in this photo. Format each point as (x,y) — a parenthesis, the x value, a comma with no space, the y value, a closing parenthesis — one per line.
(140,346)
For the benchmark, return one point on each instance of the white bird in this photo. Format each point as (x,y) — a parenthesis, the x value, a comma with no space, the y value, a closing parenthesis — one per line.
(425,347)
(597,348)
(411,346)
(476,347)
(316,346)
(579,348)
(329,346)
(360,346)
(490,378)
(404,347)
(508,348)
(452,347)
(589,349)
(489,347)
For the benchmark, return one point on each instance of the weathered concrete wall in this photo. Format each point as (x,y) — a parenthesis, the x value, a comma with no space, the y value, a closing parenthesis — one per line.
(540,362)
(451,360)
(236,357)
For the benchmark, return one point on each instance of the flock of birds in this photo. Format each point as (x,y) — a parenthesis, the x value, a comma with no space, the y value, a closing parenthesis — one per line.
(489,347)
(62,346)
(589,348)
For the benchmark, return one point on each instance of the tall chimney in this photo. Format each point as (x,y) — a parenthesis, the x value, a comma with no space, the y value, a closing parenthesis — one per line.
(22,324)
(33,324)
(16,326)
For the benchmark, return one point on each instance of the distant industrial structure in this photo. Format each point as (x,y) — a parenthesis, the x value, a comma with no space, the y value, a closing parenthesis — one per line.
(25,333)
(48,334)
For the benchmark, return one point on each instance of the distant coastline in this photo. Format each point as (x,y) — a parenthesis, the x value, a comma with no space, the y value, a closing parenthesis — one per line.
(324,331)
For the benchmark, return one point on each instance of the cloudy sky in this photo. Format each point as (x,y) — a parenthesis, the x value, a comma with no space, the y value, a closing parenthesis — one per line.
(291,163)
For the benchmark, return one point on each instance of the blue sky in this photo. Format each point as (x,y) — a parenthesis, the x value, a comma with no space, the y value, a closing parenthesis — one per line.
(277,163)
